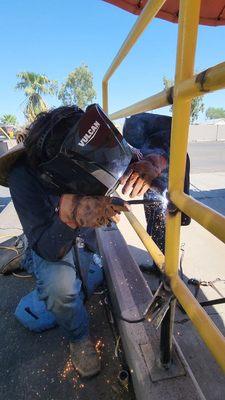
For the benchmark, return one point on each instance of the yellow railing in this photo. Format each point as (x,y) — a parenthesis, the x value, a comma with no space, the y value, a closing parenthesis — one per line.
(187,86)
(207,81)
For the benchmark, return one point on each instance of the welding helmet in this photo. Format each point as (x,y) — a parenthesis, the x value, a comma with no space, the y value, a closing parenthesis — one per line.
(91,158)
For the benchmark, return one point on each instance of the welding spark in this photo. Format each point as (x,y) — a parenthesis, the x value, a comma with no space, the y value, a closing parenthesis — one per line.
(68,368)
(99,345)
(158,199)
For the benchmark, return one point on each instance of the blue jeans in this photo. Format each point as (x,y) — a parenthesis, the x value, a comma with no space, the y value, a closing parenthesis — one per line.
(60,287)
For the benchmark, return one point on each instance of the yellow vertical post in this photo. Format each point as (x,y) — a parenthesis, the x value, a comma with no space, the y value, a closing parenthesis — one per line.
(187,37)
(105,96)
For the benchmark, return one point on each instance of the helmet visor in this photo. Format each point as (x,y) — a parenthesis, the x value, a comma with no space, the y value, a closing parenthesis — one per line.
(92,147)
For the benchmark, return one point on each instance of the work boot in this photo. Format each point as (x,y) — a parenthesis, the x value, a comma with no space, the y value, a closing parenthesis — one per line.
(85,358)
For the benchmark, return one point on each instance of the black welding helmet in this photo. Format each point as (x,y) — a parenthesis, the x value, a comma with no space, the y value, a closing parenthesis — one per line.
(91,159)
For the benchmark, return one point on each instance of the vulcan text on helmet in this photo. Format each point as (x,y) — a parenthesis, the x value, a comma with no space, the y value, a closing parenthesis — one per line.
(90,134)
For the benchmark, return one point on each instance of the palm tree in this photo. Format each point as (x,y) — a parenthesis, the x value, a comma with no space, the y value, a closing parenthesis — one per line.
(34,86)
(9,119)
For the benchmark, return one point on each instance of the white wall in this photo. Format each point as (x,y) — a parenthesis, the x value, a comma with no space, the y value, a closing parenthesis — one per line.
(203,132)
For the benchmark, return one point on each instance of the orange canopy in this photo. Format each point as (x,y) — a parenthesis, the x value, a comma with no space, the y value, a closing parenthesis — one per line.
(212,11)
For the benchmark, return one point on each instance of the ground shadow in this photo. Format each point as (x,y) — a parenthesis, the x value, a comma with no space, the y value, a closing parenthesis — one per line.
(212,198)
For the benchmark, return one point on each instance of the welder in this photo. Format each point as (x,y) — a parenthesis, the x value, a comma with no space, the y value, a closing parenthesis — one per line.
(61,181)
(151,133)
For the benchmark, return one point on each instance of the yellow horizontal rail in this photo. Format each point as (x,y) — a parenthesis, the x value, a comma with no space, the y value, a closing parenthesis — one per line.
(158,100)
(148,13)
(205,82)
(209,332)
(213,221)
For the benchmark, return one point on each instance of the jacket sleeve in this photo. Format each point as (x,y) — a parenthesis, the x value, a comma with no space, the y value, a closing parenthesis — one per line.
(47,235)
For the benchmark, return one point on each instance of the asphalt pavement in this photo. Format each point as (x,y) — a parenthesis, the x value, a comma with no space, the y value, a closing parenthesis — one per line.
(207,157)
(37,365)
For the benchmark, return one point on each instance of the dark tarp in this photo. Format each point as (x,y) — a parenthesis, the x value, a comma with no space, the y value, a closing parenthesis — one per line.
(212,11)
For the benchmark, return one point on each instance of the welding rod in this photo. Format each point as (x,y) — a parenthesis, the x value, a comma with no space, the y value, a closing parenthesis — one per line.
(143,201)
(119,202)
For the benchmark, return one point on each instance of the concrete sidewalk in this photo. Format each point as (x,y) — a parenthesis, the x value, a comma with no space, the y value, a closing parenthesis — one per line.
(204,259)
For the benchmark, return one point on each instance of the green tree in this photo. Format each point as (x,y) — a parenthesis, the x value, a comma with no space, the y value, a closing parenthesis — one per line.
(34,87)
(9,119)
(78,88)
(213,112)
(197,104)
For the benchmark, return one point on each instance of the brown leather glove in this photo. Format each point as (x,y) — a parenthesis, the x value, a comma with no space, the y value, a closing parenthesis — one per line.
(139,176)
(89,211)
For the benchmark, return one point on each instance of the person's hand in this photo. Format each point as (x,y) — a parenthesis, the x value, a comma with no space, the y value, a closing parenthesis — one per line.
(90,211)
(139,176)
(157,160)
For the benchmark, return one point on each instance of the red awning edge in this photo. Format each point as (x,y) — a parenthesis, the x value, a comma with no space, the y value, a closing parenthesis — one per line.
(212,12)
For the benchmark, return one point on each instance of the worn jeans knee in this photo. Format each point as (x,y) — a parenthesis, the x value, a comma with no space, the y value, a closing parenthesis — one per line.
(59,286)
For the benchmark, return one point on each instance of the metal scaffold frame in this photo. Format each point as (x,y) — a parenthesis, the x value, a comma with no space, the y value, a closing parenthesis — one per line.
(186,87)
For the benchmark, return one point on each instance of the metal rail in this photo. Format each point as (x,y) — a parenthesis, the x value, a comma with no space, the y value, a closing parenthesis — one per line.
(206,328)
(156,254)
(187,38)
(148,13)
(211,220)
(187,86)
(205,82)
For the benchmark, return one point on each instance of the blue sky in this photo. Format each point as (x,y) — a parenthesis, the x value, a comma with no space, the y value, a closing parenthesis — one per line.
(54,37)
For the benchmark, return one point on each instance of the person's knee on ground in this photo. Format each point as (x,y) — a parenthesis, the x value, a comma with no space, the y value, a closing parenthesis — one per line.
(60,287)
(66,297)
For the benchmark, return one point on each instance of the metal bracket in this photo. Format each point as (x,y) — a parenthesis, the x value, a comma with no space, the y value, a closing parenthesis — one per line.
(172,208)
(159,305)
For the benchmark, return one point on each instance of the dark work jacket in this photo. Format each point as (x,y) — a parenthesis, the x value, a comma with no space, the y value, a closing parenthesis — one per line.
(36,207)
(151,133)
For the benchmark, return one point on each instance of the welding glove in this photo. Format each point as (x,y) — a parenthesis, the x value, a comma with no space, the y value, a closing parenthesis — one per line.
(139,176)
(89,211)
